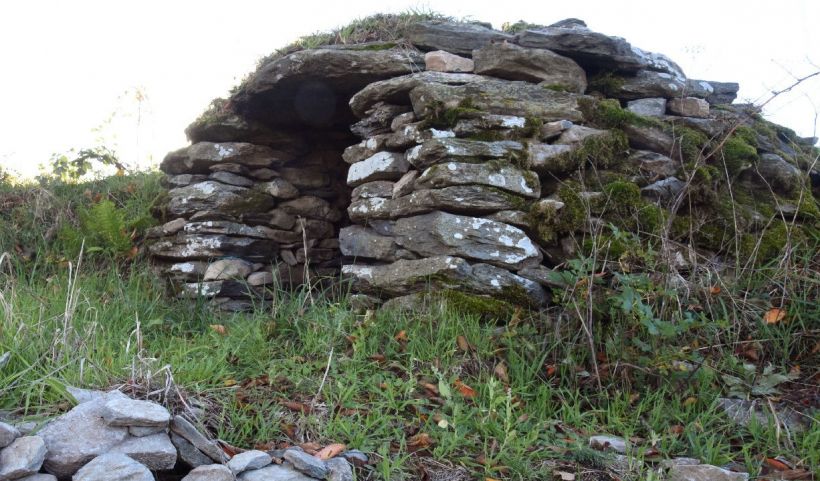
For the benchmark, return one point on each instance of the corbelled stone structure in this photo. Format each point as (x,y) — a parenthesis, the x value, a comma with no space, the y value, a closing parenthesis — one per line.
(471,160)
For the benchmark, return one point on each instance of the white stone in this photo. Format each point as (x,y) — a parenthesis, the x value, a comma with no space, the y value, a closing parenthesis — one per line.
(380,166)
(225,269)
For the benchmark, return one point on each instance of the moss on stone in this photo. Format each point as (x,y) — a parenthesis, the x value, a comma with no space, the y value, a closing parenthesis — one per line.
(690,142)
(532,127)
(557,87)
(485,308)
(444,117)
(543,219)
(737,154)
(602,151)
(574,213)
(608,114)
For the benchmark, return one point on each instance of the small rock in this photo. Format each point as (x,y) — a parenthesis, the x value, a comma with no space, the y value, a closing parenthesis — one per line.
(280,189)
(249,460)
(113,467)
(340,470)
(224,269)
(24,456)
(211,472)
(356,457)
(578,133)
(305,463)
(688,107)
(663,191)
(275,472)
(8,433)
(703,472)
(400,121)
(260,278)
(652,107)
(182,427)
(668,463)
(155,451)
(188,454)
(442,61)
(553,129)
(81,395)
(380,166)
(608,443)
(405,184)
(122,411)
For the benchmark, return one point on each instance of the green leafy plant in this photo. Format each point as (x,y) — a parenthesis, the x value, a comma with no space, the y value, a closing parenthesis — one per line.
(102,229)
(752,383)
(77,163)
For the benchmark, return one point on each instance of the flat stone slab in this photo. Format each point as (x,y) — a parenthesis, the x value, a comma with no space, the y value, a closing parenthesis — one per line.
(305,463)
(188,454)
(495,174)
(155,451)
(475,238)
(199,157)
(185,429)
(122,411)
(703,472)
(513,62)
(249,460)
(113,467)
(23,457)
(460,38)
(450,149)
(380,166)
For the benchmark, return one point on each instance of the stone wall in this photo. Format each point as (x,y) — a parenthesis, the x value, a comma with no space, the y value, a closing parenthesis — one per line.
(481,165)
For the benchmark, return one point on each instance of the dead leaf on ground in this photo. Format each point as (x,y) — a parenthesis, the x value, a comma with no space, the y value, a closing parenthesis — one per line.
(500,372)
(297,406)
(431,388)
(462,343)
(401,336)
(330,451)
(714,290)
(419,441)
(464,389)
(777,465)
(219,329)
(311,448)
(774,315)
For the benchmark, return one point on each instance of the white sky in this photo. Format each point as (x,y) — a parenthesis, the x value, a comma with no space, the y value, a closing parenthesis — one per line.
(66,67)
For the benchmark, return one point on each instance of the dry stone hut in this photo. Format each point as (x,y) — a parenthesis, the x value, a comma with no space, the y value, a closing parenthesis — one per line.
(468,160)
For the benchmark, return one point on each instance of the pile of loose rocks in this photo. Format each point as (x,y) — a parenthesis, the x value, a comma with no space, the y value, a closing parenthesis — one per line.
(480,166)
(111,437)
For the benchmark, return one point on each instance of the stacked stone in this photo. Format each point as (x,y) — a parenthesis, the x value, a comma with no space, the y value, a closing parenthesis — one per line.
(249,209)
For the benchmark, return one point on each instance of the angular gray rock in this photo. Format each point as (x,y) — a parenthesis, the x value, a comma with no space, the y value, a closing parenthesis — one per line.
(78,436)
(550,158)
(440,150)
(305,463)
(226,269)
(203,247)
(651,107)
(515,218)
(663,191)
(458,199)
(123,411)
(361,242)
(249,460)
(340,470)
(441,272)
(442,61)
(231,179)
(512,62)
(39,477)
(699,88)
(502,175)
(405,185)
(577,134)
(113,467)
(311,207)
(703,472)
(189,454)
(154,451)
(197,158)
(647,83)
(782,176)
(216,196)
(8,433)
(688,107)
(650,138)
(503,97)
(378,119)
(653,165)
(211,472)
(380,166)
(280,189)
(588,48)
(140,431)
(741,412)
(456,37)
(369,190)
(440,233)
(260,278)
(185,429)
(23,457)
(724,92)
(553,129)
(276,472)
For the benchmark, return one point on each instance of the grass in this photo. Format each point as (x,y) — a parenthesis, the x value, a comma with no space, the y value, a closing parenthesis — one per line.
(436,391)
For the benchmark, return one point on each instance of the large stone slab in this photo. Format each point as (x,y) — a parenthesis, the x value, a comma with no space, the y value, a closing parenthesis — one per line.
(443,272)
(276,472)
(474,238)
(396,90)
(703,472)
(113,467)
(723,92)
(442,61)
(460,38)
(588,48)
(203,247)
(78,436)
(311,87)
(647,84)
(199,157)
(380,166)
(183,428)
(492,96)
(188,454)
(439,150)
(512,62)
(249,460)
(502,175)
(208,195)
(223,227)
(458,199)
(361,242)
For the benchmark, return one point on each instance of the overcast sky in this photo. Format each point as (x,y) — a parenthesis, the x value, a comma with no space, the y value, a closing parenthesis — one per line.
(73,72)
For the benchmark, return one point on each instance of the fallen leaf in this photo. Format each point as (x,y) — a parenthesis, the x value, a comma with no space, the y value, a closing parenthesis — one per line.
(690,400)
(774,315)
(219,329)
(714,290)
(419,441)
(401,336)
(462,343)
(311,448)
(330,451)
(776,464)
(676,429)
(378,357)
(500,372)
(431,388)
(132,253)
(464,389)
(230,382)
(551,368)
(297,406)
(565,476)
